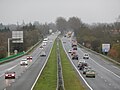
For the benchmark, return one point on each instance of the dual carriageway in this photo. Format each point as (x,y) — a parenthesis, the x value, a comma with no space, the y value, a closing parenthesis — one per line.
(107,73)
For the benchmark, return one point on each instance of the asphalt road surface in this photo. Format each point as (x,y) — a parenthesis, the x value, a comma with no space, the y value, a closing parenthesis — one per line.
(107,74)
(25,75)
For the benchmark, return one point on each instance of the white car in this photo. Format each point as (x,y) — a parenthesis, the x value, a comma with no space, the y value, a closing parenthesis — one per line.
(70,51)
(86,56)
(23,62)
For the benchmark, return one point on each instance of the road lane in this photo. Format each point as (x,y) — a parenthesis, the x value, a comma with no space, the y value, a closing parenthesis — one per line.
(22,73)
(105,79)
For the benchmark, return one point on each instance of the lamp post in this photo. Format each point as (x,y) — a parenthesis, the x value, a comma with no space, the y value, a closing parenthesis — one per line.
(9,44)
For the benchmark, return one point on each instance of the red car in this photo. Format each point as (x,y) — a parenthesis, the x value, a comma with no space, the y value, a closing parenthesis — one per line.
(10,75)
(29,58)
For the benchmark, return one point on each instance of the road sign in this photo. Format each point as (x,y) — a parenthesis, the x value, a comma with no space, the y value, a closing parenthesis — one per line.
(17,34)
(105,47)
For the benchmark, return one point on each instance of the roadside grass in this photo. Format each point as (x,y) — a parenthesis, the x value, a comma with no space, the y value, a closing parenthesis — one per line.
(71,80)
(48,78)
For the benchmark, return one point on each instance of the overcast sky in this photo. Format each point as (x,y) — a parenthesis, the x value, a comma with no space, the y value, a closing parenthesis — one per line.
(90,11)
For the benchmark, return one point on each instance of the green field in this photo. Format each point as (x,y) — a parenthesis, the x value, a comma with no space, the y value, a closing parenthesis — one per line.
(48,78)
(71,80)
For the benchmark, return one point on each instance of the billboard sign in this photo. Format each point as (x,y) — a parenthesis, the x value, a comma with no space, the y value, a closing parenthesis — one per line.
(105,47)
(17,35)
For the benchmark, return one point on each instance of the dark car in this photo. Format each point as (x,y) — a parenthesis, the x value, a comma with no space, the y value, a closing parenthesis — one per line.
(82,65)
(43,54)
(10,75)
(75,57)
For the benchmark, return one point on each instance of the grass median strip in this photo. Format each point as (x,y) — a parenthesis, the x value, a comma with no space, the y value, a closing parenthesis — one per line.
(48,78)
(71,80)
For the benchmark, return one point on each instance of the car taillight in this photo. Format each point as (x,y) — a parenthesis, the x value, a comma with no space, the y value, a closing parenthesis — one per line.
(13,74)
(6,74)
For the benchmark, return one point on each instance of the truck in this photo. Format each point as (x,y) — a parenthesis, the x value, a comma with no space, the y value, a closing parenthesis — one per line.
(74,55)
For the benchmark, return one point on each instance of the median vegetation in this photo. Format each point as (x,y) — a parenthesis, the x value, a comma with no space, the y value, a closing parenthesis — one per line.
(71,80)
(48,78)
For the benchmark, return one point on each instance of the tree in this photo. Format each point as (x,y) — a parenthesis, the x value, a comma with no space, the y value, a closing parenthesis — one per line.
(74,23)
(61,24)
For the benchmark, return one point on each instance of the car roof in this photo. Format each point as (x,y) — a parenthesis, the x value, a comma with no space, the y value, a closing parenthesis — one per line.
(24,59)
(9,72)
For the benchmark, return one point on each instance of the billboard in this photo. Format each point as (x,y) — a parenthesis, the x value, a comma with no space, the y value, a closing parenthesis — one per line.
(17,36)
(105,47)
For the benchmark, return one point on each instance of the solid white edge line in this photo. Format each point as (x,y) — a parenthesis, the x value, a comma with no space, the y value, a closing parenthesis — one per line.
(77,69)
(103,67)
(42,68)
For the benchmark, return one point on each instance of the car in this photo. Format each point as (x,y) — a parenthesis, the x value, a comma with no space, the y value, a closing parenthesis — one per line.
(86,56)
(73,52)
(23,62)
(64,41)
(83,65)
(41,47)
(80,61)
(74,48)
(90,73)
(10,75)
(86,68)
(75,57)
(43,54)
(70,51)
(29,57)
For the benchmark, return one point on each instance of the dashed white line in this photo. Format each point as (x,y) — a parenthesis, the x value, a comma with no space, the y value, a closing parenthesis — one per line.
(8,69)
(77,70)
(105,68)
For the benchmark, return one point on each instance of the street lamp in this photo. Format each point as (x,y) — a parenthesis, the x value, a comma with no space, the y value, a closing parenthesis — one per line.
(9,44)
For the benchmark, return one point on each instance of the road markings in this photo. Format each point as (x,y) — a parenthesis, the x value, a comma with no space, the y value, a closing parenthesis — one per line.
(77,69)
(116,67)
(8,69)
(41,69)
(1,75)
(105,68)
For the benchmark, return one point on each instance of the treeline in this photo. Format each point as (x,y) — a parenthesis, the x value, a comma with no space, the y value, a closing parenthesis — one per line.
(93,36)
(32,33)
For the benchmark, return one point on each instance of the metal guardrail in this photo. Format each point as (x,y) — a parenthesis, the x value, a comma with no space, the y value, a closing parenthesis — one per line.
(12,57)
(99,54)
(60,81)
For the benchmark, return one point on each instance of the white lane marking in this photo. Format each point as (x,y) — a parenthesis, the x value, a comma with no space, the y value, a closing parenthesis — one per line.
(41,69)
(116,67)
(104,67)
(77,69)
(8,69)
(1,75)
(11,67)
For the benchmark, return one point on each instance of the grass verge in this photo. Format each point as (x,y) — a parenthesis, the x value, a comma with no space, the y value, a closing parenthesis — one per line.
(71,80)
(48,78)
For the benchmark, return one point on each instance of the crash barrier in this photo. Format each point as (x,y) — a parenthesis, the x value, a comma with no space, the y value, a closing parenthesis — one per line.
(108,58)
(12,57)
(60,82)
